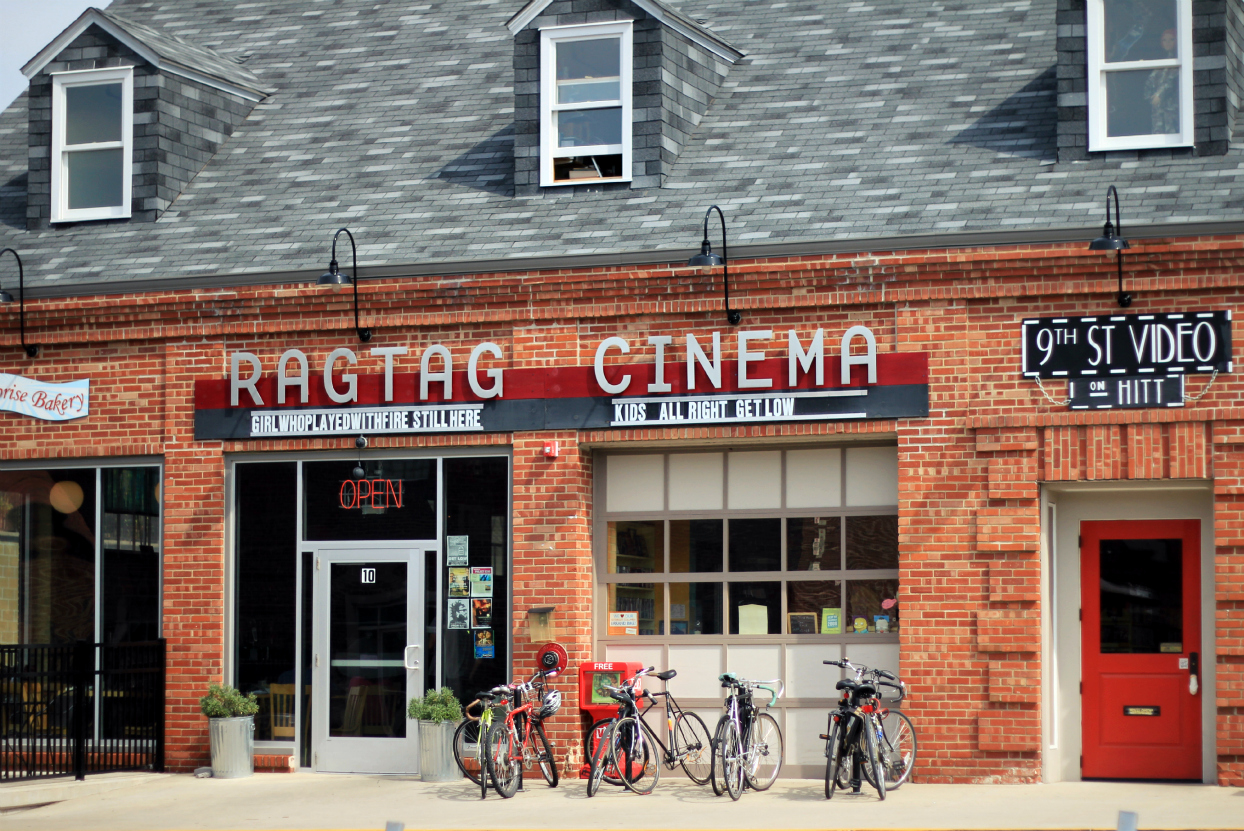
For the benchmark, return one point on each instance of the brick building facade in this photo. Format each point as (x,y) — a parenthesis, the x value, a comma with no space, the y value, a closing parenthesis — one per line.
(926,513)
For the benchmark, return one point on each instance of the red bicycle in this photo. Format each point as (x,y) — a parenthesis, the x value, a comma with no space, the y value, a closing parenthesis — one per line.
(514,744)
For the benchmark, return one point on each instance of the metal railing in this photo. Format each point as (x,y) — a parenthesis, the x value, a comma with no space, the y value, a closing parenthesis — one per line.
(74,709)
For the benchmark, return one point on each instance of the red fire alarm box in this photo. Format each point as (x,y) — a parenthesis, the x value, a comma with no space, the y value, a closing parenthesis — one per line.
(594,703)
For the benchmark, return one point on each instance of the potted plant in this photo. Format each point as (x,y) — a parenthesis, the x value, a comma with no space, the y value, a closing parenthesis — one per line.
(231,725)
(438,713)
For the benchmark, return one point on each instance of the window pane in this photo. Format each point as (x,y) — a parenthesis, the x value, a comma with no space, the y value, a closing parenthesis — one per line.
(576,92)
(872,607)
(583,128)
(814,606)
(1141,596)
(597,58)
(266,592)
(395,500)
(477,505)
(592,167)
(131,545)
(93,113)
(813,544)
(366,642)
(645,601)
(696,546)
(1142,102)
(47,556)
(1138,30)
(756,608)
(695,608)
(872,541)
(755,545)
(636,547)
(95,178)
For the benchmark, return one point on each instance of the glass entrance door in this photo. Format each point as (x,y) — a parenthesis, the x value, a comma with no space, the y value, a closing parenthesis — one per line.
(367,645)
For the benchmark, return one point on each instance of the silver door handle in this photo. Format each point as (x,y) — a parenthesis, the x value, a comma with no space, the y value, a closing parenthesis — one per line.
(406,659)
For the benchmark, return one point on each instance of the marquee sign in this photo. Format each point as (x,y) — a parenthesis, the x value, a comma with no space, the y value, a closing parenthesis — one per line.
(49,402)
(1133,345)
(799,379)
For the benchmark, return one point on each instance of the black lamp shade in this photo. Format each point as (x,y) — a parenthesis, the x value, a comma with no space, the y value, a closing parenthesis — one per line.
(333,277)
(1108,241)
(706,258)
(5,297)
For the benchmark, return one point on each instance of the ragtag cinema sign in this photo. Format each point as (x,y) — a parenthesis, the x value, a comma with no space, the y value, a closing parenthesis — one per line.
(684,379)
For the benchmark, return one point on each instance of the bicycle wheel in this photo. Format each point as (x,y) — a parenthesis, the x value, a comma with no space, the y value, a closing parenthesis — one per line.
(717,769)
(545,759)
(600,756)
(505,764)
(833,756)
(634,755)
(763,753)
(874,771)
(466,751)
(599,730)
(898,748)
(693,744)
(731,756)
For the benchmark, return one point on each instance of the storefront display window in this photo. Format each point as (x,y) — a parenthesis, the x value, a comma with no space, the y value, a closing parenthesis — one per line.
(80,555)
(395,499)
(823,563)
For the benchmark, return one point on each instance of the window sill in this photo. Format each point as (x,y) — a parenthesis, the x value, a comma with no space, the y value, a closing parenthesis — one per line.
(91,215)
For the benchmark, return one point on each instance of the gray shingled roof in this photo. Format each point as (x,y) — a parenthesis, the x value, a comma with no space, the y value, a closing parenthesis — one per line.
(847,120)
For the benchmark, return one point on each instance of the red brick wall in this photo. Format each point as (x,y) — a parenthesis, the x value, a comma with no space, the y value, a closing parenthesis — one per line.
(969,473)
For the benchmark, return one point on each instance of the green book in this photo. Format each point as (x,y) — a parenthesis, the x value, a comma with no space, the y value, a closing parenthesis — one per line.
(831,621)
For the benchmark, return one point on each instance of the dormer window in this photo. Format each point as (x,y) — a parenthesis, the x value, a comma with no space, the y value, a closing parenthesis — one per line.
(1140,85)
(92,144)
(585,103)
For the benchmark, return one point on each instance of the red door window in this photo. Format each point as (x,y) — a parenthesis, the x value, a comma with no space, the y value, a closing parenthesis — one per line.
(1140,638)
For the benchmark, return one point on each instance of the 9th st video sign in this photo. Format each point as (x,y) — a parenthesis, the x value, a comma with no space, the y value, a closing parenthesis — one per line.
(1131,345)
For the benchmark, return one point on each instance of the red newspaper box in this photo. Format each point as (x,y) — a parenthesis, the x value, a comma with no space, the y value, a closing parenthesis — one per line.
(594,703)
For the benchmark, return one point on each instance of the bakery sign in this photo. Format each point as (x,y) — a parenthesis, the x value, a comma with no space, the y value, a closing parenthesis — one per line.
(49,402)
(684,379)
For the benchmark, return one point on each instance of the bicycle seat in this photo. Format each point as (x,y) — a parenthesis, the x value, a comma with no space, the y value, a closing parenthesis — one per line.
(666,675)
(845,684)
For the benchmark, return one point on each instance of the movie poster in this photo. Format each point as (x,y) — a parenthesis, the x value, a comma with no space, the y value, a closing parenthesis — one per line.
(459,614)
(481,612)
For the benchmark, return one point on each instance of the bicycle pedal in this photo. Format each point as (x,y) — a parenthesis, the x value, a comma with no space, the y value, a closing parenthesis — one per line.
(825,737)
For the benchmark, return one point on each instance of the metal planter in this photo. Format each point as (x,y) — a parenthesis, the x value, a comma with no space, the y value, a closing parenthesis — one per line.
(233,747)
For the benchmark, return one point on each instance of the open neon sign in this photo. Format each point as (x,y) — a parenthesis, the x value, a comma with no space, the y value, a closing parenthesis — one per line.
(371,493)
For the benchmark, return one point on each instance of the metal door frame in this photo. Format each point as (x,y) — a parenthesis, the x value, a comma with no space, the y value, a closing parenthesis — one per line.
(403,755)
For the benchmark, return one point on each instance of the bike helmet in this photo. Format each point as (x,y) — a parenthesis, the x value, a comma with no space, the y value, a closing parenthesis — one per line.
(552,702)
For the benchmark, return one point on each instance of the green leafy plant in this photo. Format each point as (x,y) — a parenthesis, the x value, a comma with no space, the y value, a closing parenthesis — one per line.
(436,705)
(227,702)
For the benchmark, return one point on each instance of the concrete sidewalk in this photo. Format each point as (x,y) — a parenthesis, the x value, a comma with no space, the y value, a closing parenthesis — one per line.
(323,801)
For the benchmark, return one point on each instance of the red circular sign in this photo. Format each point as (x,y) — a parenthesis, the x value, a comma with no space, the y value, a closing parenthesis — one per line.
(552,659)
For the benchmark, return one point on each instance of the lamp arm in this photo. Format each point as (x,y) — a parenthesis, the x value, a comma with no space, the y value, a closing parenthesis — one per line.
(1123,297)
(30,349)
(364,334)
(731,315)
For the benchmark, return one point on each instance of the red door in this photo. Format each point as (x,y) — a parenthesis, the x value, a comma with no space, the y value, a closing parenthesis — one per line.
(1141,646)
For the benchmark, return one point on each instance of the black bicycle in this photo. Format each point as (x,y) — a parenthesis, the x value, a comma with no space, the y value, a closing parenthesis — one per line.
(852,740)
(896,735)
(747,745)
(623,750)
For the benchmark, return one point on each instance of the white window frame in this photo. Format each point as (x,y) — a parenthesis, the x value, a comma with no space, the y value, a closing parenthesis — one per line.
(1098,69)
(549,38)
(59,161)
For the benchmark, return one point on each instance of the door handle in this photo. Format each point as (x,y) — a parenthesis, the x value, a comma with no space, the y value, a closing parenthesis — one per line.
(406,659)
(1193,671)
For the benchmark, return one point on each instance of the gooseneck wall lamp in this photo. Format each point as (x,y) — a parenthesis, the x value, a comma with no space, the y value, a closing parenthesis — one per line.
(31,350)
(334,277)
(1111,239)
(706,259)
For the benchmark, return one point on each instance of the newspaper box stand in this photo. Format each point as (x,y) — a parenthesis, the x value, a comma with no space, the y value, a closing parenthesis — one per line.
(594,703)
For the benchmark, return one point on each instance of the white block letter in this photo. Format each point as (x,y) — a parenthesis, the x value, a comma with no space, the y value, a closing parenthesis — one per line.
(282,377)
(236,384)
(868,359)
(495,374)
(352,380)
(388,352)
(712,371)
(445,376)
(624,347)
(659,384)
(746,357)
(804,359)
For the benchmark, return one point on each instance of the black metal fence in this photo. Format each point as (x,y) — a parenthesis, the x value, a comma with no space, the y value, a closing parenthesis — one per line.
(81,708)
